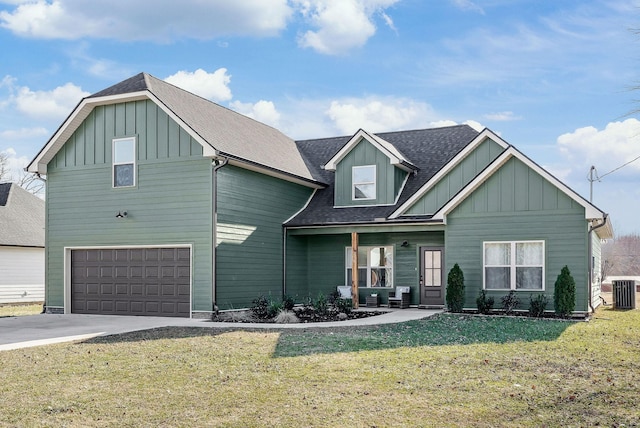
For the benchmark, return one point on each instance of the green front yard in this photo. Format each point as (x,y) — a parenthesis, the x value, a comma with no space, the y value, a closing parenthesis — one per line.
(449,370)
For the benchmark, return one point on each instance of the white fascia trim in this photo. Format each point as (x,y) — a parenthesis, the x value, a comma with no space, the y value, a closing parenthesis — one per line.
(303,208)
(384,146)
(382,223)
(67,267)
(480,138)
(84,108)
(591,212)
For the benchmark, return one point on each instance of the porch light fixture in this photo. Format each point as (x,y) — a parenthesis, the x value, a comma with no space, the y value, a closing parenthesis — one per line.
(121,214)
(404,243)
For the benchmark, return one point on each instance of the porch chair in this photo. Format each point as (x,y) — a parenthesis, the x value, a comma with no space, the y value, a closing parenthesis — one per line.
(344,291)
(401,297)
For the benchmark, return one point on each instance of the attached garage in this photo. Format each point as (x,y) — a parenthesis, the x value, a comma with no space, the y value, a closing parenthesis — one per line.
(131,281)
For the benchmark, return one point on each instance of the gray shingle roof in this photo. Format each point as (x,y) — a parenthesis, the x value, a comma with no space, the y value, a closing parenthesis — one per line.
(227,131)
(21,217)
(428,149)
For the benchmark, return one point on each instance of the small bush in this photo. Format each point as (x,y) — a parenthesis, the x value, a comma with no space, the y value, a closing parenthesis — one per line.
(273,309)
(344,305)
(287,302)
(260,307)
(455,289)
(564,293)
(320,304)
(510,302)
(286,317)
(537,306)
(485,304)
(333,296)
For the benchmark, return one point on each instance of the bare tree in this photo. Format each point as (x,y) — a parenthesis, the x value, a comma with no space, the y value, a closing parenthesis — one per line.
(28,181)
(621,256)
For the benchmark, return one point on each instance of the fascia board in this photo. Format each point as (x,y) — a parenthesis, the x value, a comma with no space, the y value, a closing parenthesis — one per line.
(591,212)
(84,108)
(384,146)
(480,138)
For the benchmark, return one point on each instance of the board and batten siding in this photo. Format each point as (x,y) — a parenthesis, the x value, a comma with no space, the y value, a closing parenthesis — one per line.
(389,179)
(324,255)
(21,274)
(517,204)
(457,178)
(252,209)
(171,202)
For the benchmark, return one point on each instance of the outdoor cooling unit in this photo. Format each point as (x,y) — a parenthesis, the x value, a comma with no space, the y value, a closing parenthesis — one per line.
(624,294)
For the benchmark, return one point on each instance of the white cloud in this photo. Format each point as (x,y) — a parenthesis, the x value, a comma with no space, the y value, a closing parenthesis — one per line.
(262,111)
(146,19)
(341,25)
(15,164)
(607,149)
(503,116)
(379,114)
(23,134)
(213,86)
(467,5)
(46,105)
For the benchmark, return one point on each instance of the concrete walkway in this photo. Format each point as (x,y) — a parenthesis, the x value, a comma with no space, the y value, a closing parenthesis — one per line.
(44,329)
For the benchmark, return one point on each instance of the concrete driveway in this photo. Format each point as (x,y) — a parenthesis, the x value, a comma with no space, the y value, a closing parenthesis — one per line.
(36,330)
(44,329)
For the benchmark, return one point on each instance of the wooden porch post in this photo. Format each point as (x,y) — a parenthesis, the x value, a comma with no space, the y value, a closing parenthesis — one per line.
(354,269)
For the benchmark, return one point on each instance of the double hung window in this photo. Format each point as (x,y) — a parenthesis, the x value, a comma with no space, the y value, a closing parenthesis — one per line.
(364,182)
(515,265)
(124,162)
(375,266)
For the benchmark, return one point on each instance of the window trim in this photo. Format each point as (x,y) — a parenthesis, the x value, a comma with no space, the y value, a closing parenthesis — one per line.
(114,163)
(513,266)
(354,183)
(368,267)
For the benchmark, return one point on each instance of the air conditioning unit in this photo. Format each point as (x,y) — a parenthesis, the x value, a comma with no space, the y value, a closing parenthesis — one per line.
(624,294)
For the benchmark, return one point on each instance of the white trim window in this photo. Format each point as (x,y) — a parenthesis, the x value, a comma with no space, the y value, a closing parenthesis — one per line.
(513,265)
(364,182)
(375,267)
(124,162)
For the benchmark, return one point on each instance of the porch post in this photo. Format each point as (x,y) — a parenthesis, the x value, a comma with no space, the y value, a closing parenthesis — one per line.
(354,269)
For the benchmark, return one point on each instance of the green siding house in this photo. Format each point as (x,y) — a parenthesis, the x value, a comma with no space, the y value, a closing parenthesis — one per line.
(162,203)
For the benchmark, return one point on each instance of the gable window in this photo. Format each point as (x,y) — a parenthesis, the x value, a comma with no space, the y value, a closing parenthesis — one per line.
(375,266)
(514,265)
(124,162)
(364,182)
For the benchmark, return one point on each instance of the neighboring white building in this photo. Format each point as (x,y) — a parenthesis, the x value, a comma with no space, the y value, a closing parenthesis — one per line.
(21,245)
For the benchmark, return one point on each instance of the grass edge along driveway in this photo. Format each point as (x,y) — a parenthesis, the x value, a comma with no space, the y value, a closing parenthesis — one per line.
(449,370)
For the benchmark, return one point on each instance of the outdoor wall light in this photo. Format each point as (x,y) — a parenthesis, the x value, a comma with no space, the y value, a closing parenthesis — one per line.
(121,214)
(404,244)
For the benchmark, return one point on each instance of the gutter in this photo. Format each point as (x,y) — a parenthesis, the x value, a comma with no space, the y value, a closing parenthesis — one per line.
(214,226)
(590,246)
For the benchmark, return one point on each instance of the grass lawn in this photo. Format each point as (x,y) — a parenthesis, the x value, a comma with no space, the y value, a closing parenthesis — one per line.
(449,370)
(15,310)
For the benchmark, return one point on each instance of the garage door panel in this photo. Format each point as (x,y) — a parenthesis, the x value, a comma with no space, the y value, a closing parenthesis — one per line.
(137,281)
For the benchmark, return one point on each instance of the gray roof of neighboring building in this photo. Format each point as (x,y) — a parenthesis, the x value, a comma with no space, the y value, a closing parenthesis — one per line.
(21,217)
(429,149)
(229,132)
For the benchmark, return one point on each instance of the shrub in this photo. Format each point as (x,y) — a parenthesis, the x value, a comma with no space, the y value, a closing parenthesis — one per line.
(537,306)
(485,304)
(260,307)
(287,302)
(344,305)
(286,317)
(273,309)
(320,304)
(510,302)
(455,289)
(564,294)
(333,296)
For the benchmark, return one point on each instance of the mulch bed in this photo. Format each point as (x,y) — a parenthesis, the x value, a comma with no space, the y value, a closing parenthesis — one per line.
(304,314)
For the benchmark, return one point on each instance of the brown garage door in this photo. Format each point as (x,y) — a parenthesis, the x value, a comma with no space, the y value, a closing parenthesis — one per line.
(131,281)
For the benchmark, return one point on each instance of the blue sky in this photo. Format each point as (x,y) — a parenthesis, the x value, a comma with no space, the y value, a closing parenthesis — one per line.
(552,78)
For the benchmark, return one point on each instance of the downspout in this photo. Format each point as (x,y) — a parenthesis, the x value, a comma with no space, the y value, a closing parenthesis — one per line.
(214,226)
(284,262)
(590,255)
